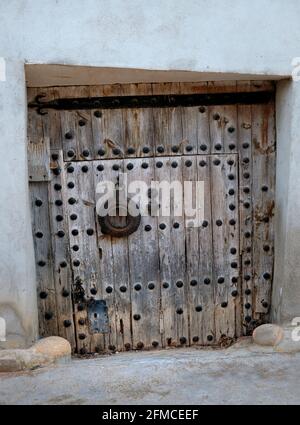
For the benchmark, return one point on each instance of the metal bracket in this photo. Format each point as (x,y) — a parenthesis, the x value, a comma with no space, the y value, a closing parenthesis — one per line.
(158,101)
(97,315)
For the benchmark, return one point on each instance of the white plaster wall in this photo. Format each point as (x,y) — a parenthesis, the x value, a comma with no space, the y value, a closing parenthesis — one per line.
(228,36)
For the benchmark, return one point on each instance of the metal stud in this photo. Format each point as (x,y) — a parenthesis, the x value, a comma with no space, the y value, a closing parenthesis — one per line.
(210,337)
(71,185)
(93,291)
(246,190)
(234,279)
(63,264)
(188,163)
(248,291)
(76,263)
(109,289)
(146,149)
(67,323)
(231,146)
(73,217)
(195,338)
(82,351)
(137,286)
(81,322)
(182,340)
(81,336)
(203,147)
(130,151)
(116,151)
(160,149)
(202,109)
(218,147)
(247,277)
(115,167)
(219,223)
(266,276)
(246,175)
(162,226)
(147,228)
(85,169)
(159,164)
(231,207)
(179,310)
(144,165)
(193,282)
(166,285)
(231,192)
(224,304)
(75,248)
(265,188)
(204,223)
(265,304)
(80,307)
(81,123)
(155,344)
(247,262)
(189,148)
(74,232)
(100,167)
(39,235)
(129,166)
(65,293)
(57,186)
(233,251)
(232,222)
(245,145)
(234,265)
(247,234)
(216,116)
(231,176)
(234,293)
(70,153)
(202,163)
(38,203)
(69,135)
(217,162)
(85,153)
(221,279)
(123,288)
(70,169)
(175,149)
(127,346)
(248,319)
(206,281)
(179,284)
(71,201)
(176,225)
(55,156)
(101,152)
(246,160)
(98,114)
(59,218)
(247,306)
(136,316)
(198,308)
(174,164)
(43,295)
(266,248)
(151,286)
(140,345)
(231,130)
(48,315)
(56,171)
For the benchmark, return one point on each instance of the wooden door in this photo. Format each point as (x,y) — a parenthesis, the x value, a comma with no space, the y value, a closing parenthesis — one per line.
(167,283)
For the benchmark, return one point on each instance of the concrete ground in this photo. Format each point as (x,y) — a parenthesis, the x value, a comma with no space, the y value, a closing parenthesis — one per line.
(238,375)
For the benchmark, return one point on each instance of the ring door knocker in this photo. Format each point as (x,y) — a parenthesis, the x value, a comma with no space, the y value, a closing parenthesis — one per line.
(118,224)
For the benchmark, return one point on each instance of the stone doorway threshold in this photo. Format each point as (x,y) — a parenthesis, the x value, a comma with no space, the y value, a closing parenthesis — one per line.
(245,373)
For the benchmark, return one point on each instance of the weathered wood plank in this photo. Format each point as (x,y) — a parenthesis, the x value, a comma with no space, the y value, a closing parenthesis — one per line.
(44,262)
(62,268)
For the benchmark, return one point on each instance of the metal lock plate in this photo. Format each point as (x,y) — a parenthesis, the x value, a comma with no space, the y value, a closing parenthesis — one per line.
(98,317)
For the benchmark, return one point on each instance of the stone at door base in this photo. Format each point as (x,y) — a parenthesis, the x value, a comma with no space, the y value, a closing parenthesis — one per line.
(46,351)
(268,334)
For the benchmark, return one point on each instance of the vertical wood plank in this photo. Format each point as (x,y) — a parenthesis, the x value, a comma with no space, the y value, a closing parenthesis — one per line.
(44,262)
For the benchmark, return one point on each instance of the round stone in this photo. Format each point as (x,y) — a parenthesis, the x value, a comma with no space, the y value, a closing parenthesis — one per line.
(268,334)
